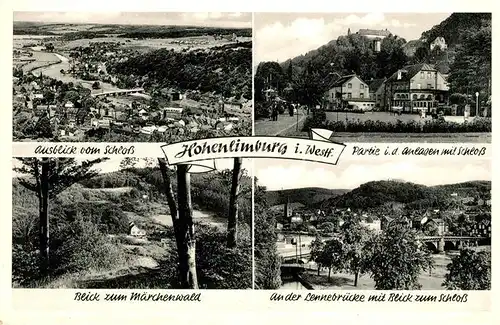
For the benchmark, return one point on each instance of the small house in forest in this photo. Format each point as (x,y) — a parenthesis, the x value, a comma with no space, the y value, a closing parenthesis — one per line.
(136,231)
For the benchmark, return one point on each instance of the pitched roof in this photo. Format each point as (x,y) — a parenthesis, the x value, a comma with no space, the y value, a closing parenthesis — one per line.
(410,71)
(377,32)
(375,84)
(342,80)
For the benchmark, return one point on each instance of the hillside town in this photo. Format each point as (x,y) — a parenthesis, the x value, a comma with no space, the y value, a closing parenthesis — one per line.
(385,235)
(381,82)
(85,93)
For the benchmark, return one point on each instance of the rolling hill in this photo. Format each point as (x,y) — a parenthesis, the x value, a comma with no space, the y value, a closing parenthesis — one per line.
(377,193)
(309,196)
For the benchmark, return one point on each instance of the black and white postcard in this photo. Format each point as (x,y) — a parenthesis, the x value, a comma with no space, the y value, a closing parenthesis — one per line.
(130,224)
(374,77)
(131,77)
(385,226)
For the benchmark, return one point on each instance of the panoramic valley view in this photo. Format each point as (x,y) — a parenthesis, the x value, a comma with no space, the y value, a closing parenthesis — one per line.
(130,223)
(119,82)
(408,77)
(384,234)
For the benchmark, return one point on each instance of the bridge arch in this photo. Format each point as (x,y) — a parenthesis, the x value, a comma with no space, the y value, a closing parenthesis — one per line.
(450,245)
(432,246)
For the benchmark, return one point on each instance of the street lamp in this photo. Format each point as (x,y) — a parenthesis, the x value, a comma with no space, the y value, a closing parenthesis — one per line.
(477,103)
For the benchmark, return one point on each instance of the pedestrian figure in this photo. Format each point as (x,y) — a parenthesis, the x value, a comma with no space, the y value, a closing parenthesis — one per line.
(274,112)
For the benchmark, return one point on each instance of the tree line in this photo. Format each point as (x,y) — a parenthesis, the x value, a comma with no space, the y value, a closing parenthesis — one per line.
(396,258)
(49,177)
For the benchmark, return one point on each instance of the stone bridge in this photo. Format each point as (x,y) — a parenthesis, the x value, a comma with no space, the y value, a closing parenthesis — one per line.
(119,92)
(443,243)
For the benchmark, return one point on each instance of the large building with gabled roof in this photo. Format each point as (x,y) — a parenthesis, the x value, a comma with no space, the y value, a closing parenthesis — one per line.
(350,92)
(417,87)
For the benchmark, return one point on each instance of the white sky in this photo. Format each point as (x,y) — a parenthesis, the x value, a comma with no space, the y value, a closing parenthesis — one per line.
(113,164)
(218,19)
(285,174)
(281,36)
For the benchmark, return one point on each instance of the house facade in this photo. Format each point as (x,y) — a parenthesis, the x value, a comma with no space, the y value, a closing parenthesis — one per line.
(136,231)
(439,42)
(417,87)
(374,33)
(350,92)
(377,92)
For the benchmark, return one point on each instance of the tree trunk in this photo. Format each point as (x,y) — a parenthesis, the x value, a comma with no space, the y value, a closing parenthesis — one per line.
(232,221)
(319,269)
(44,217)
(356,274)
(187,249)
(169,192)
(329,273)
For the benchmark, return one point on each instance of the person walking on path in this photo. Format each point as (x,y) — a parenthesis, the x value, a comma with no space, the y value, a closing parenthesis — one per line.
(274,112)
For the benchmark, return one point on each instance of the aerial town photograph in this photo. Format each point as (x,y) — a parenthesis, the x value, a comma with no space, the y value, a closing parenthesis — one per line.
(373,226)
(132,223)
(131,77)
(374,77)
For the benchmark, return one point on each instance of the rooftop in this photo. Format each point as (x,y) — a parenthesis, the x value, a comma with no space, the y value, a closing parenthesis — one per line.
(375,84)
(410,71)
(374,32)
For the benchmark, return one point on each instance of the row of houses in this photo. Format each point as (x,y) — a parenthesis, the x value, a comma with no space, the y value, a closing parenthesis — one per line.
(430,221)
(412,88)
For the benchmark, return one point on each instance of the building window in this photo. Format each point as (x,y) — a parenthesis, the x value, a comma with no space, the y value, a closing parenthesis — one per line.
(349,85)
(361,95)
(415,96)
(333,95)
(429,86)
(349,95)
(422,75)
(429,76)
(361,86)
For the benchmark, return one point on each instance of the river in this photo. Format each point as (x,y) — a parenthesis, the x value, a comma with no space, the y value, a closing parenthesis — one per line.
(54,71)
(292,285)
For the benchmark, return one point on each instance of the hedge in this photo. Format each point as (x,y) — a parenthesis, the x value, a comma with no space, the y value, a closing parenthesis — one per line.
(429,126)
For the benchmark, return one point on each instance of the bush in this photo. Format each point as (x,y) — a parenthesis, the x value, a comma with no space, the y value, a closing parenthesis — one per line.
(107,216)
(469,271)
(217,266)
(429,126)
(85,248)
(75,246)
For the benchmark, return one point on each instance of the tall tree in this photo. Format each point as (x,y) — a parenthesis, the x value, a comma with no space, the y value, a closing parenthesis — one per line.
(355,237)
(289,72)
(333,256)
(471,69)
(469,271)
(187,252)
(398,258)
(182,221)
(317,246)
(47,178)
(267,260)
(232,221)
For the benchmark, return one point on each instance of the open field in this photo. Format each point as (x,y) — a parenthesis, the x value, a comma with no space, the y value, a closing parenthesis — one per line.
(43,59)
(176,44)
